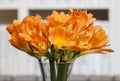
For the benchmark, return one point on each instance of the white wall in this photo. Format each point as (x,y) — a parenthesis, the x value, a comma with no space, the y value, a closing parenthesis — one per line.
(115,37)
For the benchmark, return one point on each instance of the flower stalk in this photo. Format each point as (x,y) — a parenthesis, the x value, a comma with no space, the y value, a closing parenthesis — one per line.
(42,70)
(52,70)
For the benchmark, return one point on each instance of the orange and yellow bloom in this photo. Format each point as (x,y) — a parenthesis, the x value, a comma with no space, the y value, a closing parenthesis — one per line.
(28,35)
(76,32)
(73,33)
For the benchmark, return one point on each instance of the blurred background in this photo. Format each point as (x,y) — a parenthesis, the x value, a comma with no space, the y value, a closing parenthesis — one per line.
(16,63)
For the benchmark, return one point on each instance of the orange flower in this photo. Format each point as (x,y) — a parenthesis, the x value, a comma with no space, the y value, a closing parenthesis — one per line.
(73,33)
(76,32)
(14,28)
(60,37)
(32,31)
(56,19)
(90,18)
(39,42)
(28,35)
(58,31)
(28,26)
(64,28)
(20,43)
(99,38)
(92,39)
(76,22)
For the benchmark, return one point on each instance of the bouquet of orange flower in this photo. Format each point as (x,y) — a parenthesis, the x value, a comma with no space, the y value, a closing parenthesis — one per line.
(61,38)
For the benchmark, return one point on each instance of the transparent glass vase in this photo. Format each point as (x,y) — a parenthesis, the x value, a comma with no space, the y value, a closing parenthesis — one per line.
(52,71)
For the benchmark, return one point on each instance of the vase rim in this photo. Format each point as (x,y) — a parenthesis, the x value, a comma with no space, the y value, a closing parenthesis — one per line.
(64,62)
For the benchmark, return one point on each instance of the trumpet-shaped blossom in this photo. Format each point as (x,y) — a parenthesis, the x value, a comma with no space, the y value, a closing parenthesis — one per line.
(65,36)
(28,35)
(77,32)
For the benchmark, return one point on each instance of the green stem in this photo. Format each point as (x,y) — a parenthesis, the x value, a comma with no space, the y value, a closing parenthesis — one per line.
(42,69)
(52,70)
(63,69)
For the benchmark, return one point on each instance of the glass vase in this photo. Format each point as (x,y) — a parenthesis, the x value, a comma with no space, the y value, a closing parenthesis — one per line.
(64,70)
(53,71)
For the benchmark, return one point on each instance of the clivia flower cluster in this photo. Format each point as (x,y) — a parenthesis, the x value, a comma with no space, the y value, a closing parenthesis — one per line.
(61,38)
